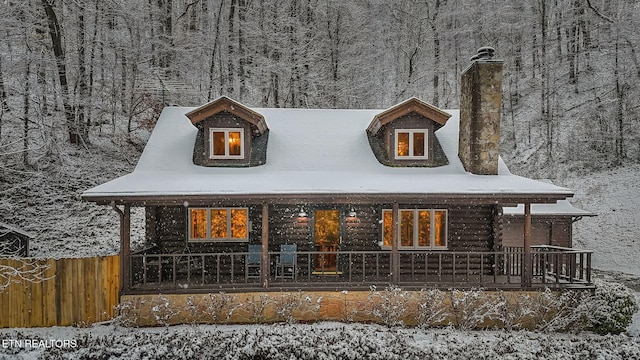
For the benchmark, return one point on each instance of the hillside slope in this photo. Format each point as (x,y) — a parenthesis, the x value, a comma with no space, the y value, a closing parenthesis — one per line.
(614,235)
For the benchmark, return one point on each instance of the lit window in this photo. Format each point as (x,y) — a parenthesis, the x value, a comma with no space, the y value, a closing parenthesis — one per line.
(228,224)
(418,229)
(227,143)
(411,144)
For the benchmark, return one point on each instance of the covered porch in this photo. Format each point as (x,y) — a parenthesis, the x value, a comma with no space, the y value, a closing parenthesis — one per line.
(305,263)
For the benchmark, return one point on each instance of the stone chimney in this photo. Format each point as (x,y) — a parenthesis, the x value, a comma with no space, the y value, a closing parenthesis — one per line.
(480,109)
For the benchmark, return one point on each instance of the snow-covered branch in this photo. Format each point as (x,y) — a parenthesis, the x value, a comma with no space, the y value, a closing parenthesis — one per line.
(16,271)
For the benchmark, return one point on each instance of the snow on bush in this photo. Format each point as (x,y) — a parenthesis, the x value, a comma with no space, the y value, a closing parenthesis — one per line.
(163,311)
(287,304)
(128,312)
(390,305)
(611,308)
(431,307)
(470,309)
(318,341)
(215,305)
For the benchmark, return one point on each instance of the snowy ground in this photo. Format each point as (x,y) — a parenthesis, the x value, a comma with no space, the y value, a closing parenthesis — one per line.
(613,235)
(316,341)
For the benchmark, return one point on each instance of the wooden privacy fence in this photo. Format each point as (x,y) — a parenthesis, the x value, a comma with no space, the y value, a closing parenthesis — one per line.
(77,291)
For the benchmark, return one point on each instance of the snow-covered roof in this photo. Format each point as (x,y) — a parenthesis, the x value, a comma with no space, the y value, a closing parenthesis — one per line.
(562,208)
(310,152)
(16,230)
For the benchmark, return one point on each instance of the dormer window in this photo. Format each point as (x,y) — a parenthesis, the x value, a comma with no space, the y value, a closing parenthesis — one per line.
(411,144)
(405,135)
(227,143)
(229,135)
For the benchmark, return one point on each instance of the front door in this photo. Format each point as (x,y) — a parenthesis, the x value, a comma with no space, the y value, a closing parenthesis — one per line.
(327,235)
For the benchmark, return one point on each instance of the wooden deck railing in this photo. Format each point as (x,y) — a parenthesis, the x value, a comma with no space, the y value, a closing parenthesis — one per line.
(561,265)
(551,267)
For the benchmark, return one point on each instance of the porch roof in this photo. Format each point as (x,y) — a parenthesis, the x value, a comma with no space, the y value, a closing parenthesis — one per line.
(561,208)
(311,154)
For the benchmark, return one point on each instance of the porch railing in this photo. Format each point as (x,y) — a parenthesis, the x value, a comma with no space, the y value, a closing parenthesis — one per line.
(560,265)
(551,267)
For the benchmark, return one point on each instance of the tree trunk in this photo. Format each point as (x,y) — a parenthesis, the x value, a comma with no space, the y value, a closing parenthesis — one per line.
(433,23)
(82,72)
(436,66)
(76,130)
(242,61)
(230,49)
(25,119)
(3,93)
(213,52)
(620,94)
(166,30)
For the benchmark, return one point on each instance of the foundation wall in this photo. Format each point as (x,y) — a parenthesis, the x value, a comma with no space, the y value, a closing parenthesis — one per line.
(426,308)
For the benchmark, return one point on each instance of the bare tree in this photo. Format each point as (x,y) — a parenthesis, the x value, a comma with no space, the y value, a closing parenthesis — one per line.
(77,130)
(16,270)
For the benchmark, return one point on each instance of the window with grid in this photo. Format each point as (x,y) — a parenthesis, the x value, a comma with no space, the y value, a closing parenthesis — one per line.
(218,224)
(417,229)
(411,144)
(227,143)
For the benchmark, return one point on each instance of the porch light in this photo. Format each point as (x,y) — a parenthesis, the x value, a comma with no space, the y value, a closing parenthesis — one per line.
(352,212)
(302,213)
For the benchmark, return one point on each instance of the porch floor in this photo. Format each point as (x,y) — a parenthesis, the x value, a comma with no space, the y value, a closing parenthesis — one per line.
(337,283)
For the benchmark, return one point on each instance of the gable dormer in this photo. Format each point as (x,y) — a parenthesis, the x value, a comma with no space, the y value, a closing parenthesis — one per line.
(404,135)
(229,134)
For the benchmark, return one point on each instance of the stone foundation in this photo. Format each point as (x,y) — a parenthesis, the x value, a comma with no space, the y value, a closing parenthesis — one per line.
(465,309)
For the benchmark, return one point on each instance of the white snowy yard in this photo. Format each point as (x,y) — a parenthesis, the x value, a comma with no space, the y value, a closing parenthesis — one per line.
(317,341)
(614,195)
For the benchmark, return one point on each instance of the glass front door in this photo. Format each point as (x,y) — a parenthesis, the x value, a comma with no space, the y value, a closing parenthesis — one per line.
(327,236)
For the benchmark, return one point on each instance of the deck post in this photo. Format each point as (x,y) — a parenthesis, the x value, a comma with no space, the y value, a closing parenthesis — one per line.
(526,264)
(264,263)
(125,247)
(395,256)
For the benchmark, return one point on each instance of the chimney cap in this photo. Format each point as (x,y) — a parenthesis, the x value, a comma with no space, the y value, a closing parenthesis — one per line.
(484,53)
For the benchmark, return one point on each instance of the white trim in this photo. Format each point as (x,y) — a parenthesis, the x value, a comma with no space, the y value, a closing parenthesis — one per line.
(432,239)
(411,156)
(208,237)
(226,132)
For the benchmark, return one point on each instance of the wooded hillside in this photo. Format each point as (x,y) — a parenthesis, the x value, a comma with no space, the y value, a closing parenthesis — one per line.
(82,82)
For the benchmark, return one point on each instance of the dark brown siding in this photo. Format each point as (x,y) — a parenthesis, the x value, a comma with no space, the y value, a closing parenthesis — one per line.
(285,227)
(554,231)
(170,229)
(469,228)
(363,232)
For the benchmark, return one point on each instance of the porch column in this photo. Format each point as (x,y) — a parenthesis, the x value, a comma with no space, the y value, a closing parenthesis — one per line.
(526,265)
(395,256)
(264,263)
(125,246)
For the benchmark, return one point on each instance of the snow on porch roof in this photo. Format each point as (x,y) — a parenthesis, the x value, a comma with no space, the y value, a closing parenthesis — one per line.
(310,152)
(561,208)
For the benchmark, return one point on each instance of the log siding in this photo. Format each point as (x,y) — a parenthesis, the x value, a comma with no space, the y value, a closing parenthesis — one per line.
(469,228)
